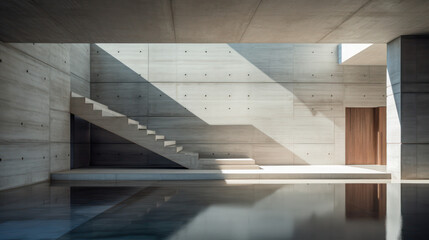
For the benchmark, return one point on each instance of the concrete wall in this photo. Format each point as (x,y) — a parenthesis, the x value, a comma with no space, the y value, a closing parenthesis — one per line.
(276,103)
(79,69)
(35,81)
(80,84)
(408,101)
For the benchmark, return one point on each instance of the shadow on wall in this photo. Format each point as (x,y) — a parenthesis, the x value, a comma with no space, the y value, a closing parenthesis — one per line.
(281,65)
(321,90)
(319,85)
(121,86)
(276,103)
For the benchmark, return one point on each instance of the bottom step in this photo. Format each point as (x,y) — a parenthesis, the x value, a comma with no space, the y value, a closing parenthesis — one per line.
(227,161)
(237,167)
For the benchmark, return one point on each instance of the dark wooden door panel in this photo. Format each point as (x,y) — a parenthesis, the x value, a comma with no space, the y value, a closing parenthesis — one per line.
(381,130)
(365,136)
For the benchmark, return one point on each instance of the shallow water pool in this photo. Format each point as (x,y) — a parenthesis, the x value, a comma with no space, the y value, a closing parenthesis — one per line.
(216,210)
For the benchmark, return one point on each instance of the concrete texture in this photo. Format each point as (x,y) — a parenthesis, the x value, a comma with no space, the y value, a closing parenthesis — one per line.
(207,21)
(276,103)
(80,83)
(79,69)
(35,83)
(407,107)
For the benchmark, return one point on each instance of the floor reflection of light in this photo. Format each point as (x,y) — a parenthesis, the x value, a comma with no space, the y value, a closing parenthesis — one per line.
(309,169)
(269,217)
(302,181)
(415,181)
(393,212)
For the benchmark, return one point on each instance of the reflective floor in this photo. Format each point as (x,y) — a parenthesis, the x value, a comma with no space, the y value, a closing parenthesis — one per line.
(216,210)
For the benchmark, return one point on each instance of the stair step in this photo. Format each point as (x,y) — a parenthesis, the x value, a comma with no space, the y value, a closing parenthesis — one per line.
(151,132)
(141,127)
(95,104)
(113,123)
(97,107)
(178,148)
(85,110)
(75,95)
(131,121)
(159,137)
(237,167)
(169,143)
(110,113)
(86,100)
(227,161)
(119,121)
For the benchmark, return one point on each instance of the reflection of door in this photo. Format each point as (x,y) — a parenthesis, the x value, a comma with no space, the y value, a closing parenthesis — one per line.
(365,201)
(366,135)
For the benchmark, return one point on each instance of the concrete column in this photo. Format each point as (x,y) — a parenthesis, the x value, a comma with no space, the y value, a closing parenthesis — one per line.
(408,107)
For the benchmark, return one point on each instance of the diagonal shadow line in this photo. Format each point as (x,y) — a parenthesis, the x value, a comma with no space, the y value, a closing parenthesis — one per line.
(270,59)
(152,103)
(278,73)
(285,75)
(88,228)
(82,197)
(393,73)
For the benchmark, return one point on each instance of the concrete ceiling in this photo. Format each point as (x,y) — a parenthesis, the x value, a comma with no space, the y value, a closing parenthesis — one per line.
(216,21)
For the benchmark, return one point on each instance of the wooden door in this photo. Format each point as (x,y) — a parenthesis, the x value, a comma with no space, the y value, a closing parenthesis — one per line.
(381,135)
(366,136)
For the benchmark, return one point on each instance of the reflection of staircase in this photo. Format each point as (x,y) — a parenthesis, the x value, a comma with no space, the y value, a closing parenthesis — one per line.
(130,216)
(119,124)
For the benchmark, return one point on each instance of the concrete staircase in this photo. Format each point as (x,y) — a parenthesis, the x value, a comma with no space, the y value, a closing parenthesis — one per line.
(119,124)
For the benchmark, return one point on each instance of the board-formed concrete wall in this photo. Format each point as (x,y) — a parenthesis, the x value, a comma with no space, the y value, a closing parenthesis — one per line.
(35,82)
(276,103)
(79,69)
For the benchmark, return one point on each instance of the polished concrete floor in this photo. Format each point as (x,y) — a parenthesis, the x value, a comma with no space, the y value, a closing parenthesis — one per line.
(215,210)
